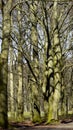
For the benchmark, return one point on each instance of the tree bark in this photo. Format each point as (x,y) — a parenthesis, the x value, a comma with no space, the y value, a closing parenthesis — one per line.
(20,79)
(4,63)
(57,55)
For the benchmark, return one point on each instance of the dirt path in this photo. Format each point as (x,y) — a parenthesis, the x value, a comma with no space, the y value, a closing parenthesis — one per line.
(62,126)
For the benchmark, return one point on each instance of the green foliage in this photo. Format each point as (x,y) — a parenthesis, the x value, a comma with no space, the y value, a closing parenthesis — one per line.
(27,115)
(36,117)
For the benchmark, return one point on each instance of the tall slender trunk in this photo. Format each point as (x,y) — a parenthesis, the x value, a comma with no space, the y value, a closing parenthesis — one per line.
(35,64)
(35,87)
(11,85)
(3,63)
(20,79)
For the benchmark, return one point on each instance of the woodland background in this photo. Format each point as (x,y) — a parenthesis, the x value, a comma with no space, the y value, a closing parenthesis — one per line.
(36,60)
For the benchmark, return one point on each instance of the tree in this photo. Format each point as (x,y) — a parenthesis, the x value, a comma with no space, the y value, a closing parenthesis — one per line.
(41,38)
(4,61)
(35,63)
(10,83)
(57,55)
(20,73)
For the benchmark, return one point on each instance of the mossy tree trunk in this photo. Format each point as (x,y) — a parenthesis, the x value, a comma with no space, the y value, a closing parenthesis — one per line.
(57,55)
(48,58)
(6,16)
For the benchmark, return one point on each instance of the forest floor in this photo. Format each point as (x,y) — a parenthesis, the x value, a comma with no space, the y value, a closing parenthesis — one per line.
(64,125)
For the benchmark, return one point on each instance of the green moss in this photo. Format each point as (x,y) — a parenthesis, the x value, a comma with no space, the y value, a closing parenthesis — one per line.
(50,114)
(36,117)
(53,122)
(50,119)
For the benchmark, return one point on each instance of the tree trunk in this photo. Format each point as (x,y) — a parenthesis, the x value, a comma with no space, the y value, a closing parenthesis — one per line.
(3,63)
(20,79)
(35,64)
(57,55)
(11,84)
